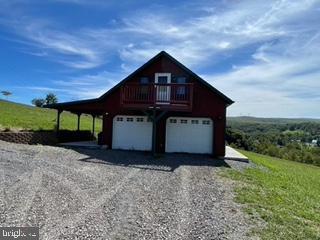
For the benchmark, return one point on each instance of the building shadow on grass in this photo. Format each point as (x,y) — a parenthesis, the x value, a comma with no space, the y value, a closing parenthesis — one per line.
(145,160)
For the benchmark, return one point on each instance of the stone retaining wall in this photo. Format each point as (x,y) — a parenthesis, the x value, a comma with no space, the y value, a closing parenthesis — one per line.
(46,137)
(43,137)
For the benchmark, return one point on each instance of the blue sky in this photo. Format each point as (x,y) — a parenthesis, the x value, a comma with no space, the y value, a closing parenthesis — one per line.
(265,55)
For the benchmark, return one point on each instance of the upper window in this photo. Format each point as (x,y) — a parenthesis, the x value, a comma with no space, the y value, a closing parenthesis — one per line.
(163,78)
(144,80)
(181,90)
(181,79)
(144,90)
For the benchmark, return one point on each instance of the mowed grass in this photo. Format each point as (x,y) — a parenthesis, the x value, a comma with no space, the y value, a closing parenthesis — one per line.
(19,116)
(285,194)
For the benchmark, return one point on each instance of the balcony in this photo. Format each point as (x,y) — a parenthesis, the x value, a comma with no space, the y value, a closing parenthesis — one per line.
(168,96)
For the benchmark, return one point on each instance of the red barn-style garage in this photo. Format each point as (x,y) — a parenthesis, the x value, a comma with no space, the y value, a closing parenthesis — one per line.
(161,107)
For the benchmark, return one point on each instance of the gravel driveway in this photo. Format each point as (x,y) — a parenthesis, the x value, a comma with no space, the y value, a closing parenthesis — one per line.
(105,194)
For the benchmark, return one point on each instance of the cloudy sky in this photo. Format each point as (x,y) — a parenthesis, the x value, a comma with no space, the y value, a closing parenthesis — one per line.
(265,55)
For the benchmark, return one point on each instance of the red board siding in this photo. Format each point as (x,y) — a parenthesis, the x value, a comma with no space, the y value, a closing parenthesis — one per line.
(205,104)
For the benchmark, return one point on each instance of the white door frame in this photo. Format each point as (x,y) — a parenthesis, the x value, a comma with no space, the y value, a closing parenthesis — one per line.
(160,89)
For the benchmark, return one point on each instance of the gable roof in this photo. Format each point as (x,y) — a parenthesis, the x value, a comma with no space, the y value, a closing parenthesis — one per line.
(224,97)
(191,73)
(227,100)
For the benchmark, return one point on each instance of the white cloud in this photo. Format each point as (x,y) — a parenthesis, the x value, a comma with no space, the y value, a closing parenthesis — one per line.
(83,86)
(79,49)
(194,39)
(284,81)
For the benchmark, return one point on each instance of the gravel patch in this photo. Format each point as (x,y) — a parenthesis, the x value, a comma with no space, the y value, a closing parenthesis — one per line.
(106,194)
(240,165)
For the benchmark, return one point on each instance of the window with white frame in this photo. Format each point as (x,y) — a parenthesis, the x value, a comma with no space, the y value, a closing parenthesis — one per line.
(163,78)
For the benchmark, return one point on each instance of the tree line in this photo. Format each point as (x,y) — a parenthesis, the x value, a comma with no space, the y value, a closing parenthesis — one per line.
(49,99)
(292,141)
(6,93)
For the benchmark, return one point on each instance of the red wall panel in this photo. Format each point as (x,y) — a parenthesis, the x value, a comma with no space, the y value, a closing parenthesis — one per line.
(205,104)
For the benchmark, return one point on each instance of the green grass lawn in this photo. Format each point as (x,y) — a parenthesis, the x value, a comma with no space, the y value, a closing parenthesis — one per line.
(13,115)
(285,194)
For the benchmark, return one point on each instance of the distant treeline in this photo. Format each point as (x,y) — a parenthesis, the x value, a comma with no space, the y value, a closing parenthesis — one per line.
(292,141)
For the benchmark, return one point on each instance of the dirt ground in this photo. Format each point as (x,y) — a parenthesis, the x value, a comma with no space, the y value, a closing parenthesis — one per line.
(106,194)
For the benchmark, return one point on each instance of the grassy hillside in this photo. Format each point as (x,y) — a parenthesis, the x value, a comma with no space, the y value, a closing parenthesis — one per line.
(285,194)
(20,116)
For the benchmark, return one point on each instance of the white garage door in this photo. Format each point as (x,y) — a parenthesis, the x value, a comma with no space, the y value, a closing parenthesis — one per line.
(132,133)
(190,135)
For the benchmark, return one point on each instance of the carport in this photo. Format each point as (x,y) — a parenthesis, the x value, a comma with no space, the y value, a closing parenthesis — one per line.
(91,107)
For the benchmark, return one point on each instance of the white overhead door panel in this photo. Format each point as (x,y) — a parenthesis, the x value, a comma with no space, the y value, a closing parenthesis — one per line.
(132,133)
(189,135)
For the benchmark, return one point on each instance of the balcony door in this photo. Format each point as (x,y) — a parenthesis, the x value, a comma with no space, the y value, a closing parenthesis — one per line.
(163,91)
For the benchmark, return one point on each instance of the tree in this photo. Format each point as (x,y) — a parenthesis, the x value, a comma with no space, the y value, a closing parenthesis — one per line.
(51,98)
(6,93)
(38,102)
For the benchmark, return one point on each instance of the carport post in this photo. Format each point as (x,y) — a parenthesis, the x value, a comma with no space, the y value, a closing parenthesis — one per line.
(58,120)
(79,114)
(93,122)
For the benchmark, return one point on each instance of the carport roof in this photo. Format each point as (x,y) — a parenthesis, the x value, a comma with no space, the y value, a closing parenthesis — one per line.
(89,106)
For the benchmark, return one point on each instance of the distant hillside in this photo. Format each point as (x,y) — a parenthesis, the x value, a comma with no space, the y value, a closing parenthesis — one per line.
(246,119)
(21,116)
(306,129)
(309,128)
(292,139)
